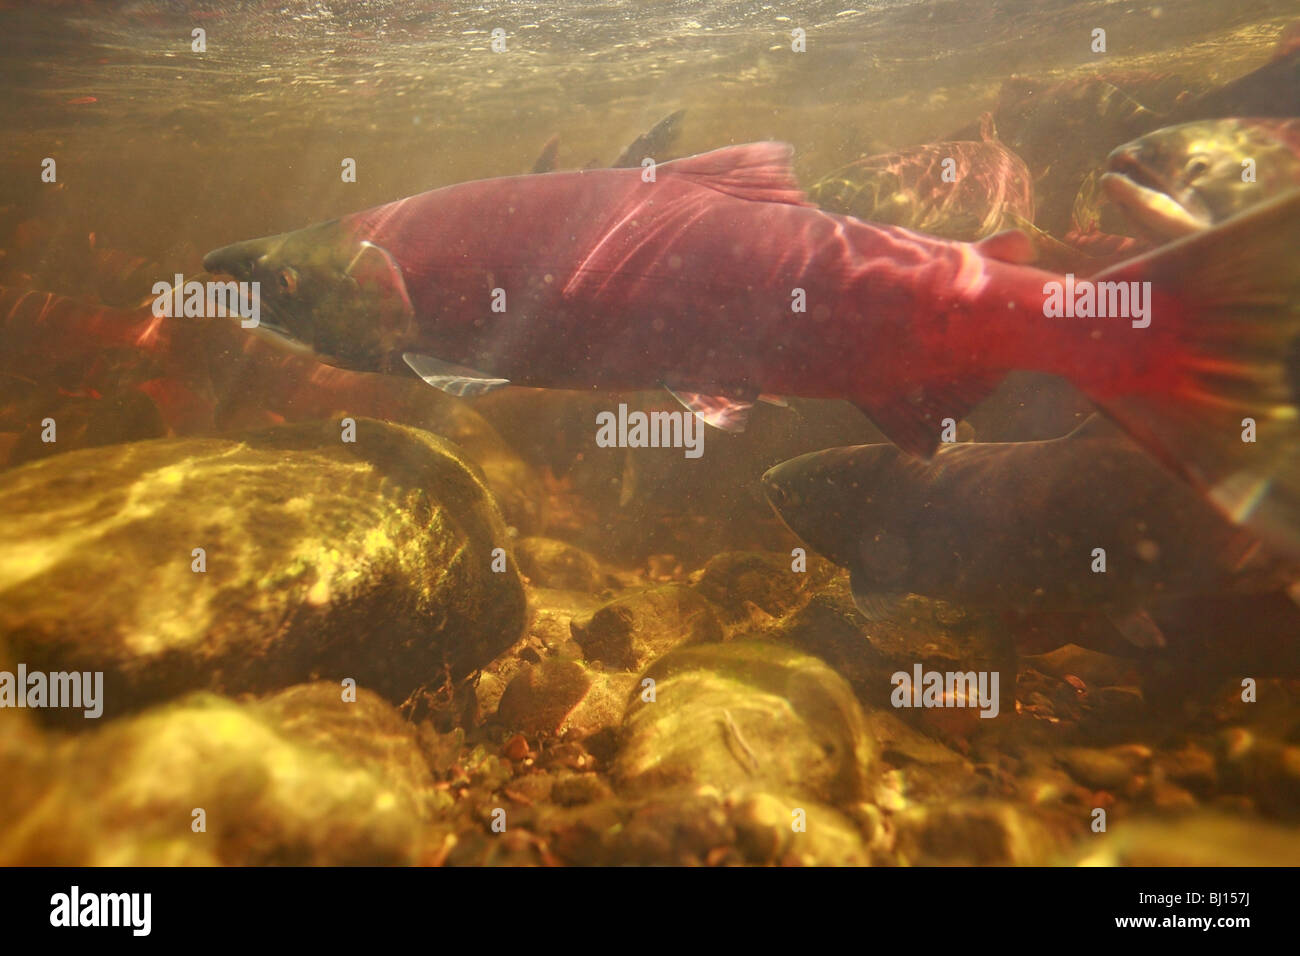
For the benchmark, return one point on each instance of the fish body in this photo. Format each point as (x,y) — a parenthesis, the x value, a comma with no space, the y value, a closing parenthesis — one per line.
(1271,90)
(964,190)
(1288,42)
(1181,179)
(202,375)
(1015,526)
(44,331)
(612,281)
(102,374)
(693,279)
(1064,128)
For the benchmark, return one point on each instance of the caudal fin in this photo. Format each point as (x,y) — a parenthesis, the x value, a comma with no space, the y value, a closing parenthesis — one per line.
(1234,303)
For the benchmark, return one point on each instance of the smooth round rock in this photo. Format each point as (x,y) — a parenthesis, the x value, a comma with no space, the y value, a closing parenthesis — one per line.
(321,558)
(632,631)
(301,778)
(747,714)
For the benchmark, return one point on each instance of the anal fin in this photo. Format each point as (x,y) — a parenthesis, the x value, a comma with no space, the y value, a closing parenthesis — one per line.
(1010,245)
(914,422)
(876,605)
(1138,629)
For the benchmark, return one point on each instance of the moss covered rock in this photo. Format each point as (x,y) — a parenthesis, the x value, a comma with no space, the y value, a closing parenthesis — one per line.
(746,714)
(370,560)
(742,582)
(564,698)
(301,778)
(632,631)
(555,564)
(513,482)
(701,826)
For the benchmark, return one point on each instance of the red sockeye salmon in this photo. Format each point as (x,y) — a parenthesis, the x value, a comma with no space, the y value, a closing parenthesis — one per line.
(693,279)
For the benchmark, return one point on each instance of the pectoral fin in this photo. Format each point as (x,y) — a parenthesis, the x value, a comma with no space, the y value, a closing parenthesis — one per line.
(731,414)
(452,379)
(875,605)
(1138,629)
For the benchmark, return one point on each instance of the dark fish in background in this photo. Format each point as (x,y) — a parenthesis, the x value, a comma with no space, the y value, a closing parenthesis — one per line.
(50,253)
(550,153)
(656,143)
(1288,42)
(43,330)
(92,366)
(1271,90)
(102,373)
(1014,527)
(986,188)
(1063,129)
(1185,178)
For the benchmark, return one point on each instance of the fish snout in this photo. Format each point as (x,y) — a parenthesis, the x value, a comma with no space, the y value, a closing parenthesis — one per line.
(774,488)
(238,259)
(1151,208)
(1125,160)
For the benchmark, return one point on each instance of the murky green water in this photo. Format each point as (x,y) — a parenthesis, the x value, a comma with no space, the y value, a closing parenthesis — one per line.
(496,585)
(246,138)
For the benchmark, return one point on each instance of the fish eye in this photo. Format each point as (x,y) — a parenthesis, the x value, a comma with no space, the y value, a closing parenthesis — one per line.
(287,280)
(1197,166)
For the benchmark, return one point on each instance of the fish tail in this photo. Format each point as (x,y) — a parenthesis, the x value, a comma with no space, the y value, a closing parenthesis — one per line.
(1213,384)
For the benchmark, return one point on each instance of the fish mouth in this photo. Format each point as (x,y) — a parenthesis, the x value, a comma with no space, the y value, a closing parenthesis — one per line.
(276,330)
(238,261)
(217,262)
(780,498)
(775,494)
(282,338)
(1147,200)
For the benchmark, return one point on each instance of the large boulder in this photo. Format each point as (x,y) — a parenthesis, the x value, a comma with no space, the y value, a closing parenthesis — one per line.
(370,559)
(744,715)
(303,777)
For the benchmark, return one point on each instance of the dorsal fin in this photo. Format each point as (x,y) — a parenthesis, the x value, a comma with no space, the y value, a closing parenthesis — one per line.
(550,152)
(1095,426)
(988,132)
(727,412)
(757,171)
(657,140)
